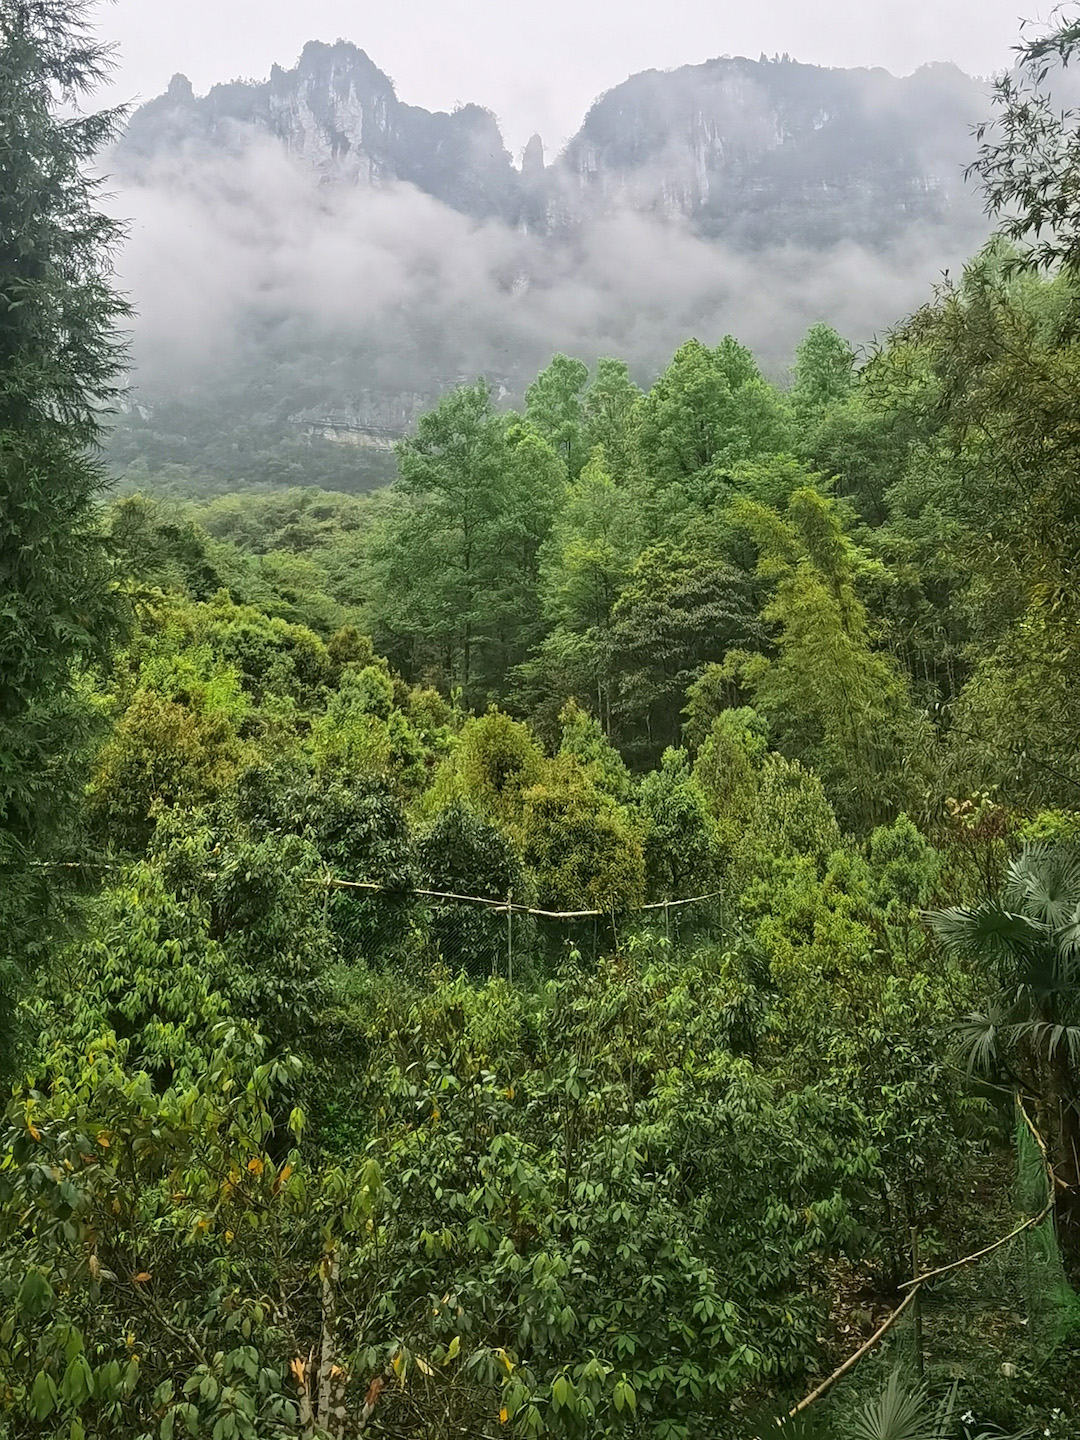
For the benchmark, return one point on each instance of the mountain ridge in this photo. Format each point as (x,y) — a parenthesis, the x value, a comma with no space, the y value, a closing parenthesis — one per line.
(317,259)
(750,150)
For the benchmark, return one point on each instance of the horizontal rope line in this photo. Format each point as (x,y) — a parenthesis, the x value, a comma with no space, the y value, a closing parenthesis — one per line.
(503,906)
(375,887)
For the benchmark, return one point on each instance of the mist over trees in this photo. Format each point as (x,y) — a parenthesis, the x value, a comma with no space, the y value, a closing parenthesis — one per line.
(317,261)
(580,941)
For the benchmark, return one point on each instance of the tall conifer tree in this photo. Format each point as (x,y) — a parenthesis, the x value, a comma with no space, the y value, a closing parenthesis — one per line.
(61,359)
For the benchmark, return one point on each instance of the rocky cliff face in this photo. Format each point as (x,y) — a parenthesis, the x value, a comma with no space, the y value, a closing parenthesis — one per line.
(314,260)
(757,152)
(337,112)
(762,152)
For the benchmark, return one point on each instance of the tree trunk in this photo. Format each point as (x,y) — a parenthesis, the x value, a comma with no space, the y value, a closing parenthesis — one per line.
(331,1412)
(1064,1143)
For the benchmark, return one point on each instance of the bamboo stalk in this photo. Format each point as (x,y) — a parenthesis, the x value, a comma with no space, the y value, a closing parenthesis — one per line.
(853,1360)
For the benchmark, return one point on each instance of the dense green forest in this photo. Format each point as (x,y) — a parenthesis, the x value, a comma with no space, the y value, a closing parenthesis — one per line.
(366,1072)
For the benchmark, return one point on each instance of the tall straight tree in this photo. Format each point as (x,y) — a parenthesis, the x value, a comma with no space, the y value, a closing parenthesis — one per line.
(609,415)
(831,699)
(61,358)
(554,403)
(458,561)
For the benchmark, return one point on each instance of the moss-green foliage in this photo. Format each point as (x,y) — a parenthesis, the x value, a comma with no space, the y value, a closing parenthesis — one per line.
(494,762)
(583,737)
(681,850)
(163,751)
(584,849)
(297,1145)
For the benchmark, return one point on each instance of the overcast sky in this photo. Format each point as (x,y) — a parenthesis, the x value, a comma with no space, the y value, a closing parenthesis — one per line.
(540,65)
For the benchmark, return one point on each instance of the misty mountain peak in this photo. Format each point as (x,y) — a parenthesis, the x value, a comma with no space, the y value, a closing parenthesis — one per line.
(532,158)
(756,151)
(342,61)
(180,91)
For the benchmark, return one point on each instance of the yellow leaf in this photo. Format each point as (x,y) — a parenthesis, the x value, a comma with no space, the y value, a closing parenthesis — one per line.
(423,1365)
(255,1165)
(35,1133)
(297,1367)
(504,1415)
(142,1277)
(501,1353)
(95,1267)
(453,1348)
(104,1139)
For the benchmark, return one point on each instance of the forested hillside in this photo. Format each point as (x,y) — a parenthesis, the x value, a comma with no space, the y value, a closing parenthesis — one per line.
(317,260)
(581,942)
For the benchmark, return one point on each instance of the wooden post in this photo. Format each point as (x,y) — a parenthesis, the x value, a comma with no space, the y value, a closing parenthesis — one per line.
(510,937)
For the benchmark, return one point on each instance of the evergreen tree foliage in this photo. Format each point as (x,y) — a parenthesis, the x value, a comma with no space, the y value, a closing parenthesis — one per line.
(824,373)
(609,416)
(456,611)
(828,695)
(61,354)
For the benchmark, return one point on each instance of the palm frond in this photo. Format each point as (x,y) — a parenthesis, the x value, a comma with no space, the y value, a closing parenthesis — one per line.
(1044,882)
(978,1039)
(901,1412)
(1068,942)
(1043,970)
(944,1415)
(985,930)
(1055,1038)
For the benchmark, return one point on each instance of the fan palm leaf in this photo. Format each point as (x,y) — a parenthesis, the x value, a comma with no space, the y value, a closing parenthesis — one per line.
(988,929)
(1041,971)
(1054,1039)
(1068,940)
(903,1411)
(1044,883)
(979,1037)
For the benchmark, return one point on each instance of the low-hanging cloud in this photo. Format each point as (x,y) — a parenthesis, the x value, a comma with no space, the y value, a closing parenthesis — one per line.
(240,258)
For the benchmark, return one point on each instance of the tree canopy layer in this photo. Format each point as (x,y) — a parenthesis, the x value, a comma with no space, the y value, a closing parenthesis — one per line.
(557,946)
